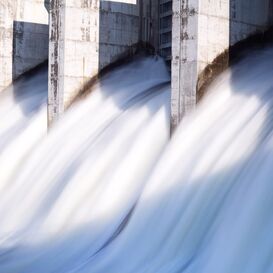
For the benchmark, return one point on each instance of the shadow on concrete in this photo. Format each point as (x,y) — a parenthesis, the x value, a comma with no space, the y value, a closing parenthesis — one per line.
(29,64)
(121,31)
(47,5)
(259,34)
(30,46)
(123,38)
(118,32)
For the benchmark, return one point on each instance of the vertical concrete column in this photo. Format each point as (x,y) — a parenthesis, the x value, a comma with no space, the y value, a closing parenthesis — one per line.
(56,59)
(7,11)
(184,58)
(73,51)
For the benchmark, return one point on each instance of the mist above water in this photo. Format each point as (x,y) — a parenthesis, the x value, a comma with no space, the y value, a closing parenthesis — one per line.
(106,191)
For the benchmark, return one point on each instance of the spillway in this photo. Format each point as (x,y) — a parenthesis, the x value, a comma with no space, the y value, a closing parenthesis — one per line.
(106,191)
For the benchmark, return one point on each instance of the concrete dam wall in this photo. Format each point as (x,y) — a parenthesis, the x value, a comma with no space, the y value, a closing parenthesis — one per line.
(81,37)
(23,37)
(86,36)
(203,30)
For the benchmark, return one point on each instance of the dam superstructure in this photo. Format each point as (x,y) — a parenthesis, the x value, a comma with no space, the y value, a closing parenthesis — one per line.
(80,38)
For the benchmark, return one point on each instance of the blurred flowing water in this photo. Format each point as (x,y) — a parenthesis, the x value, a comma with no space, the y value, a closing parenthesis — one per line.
(107,192)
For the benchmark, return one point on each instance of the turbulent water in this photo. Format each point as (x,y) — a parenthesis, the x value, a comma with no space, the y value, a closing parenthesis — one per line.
(106,191)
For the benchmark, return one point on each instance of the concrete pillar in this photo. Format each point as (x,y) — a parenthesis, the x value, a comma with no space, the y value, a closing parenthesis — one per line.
(55,59)
(184,58)
(73,51)
(203,32)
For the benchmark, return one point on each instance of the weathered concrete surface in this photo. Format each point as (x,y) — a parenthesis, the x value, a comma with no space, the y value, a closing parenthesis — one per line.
(73,51)
(86,36)
(30,35)
(123,24)
(7,8)
(118,31)
(184,58)
(203,30)
(24,37)
(55,59)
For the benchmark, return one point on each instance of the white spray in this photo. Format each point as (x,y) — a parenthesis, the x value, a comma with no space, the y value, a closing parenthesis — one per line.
(98,194)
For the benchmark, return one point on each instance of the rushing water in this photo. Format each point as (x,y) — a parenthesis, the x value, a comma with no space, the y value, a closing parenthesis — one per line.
(105,192)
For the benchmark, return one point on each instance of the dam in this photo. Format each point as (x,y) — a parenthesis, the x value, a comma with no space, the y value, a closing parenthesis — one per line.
(81,38)
(90,180)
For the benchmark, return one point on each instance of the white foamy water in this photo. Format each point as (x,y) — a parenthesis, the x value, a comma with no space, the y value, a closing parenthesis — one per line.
(106,192)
